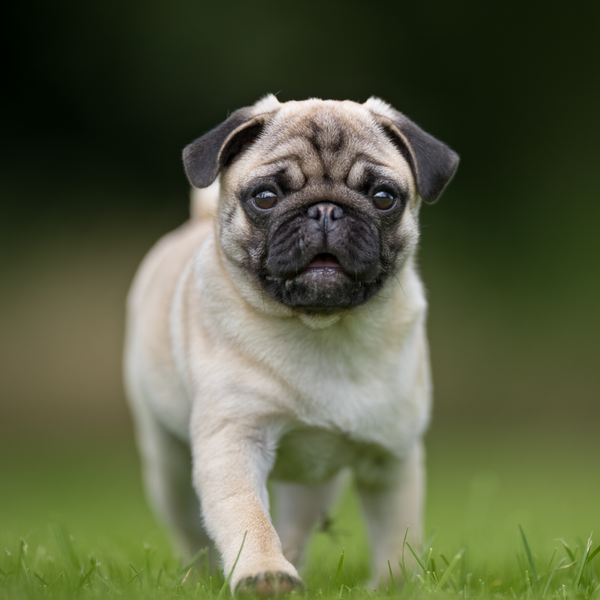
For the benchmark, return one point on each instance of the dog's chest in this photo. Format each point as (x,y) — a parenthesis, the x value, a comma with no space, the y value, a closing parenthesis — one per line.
(311,455)
(368,397)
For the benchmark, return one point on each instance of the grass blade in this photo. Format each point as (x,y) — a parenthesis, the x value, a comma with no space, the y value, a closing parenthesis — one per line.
(450,568)
(86,576)
(65,541)
(433,569)
(402,563)
(429,541)
(529,555)
(226,582)
(589,558)
(392,577)
(567,549)
(558,566)
(20,557)
(338,570)
(137,574)
(107,583)
(193,561)
(583,560)
(551,561)
(56,579)
(417,558)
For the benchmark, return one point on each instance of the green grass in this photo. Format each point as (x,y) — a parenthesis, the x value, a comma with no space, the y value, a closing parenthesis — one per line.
(509,516)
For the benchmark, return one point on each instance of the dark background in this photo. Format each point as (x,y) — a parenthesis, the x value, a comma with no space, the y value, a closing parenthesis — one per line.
(100,98)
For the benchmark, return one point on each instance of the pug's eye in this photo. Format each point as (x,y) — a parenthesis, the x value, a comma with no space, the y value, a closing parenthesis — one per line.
(384,199)
(265,199)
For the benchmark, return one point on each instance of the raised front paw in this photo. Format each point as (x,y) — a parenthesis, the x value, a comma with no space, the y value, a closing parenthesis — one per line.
(269,585)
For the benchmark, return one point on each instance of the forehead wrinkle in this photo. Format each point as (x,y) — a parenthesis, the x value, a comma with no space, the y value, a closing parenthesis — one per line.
(365,165)
(274,140)
(294,148)
(355,174)
(286,164)
(336,165)
(282,161)
(325,142)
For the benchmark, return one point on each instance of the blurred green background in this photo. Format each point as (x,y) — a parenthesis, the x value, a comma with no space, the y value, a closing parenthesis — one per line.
(102,97)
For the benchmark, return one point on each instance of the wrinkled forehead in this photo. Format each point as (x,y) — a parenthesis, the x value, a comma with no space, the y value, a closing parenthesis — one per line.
(316,140)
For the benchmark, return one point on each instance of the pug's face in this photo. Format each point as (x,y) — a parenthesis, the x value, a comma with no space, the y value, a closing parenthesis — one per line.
(319,198)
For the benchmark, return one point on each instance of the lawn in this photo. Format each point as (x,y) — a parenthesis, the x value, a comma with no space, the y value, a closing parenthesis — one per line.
(509,515)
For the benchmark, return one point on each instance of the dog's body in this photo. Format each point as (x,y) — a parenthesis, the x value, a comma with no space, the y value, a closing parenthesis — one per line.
(286,336)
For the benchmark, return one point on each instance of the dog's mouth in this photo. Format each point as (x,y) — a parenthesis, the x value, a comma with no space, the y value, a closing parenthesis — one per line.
(324,261)
(324,286)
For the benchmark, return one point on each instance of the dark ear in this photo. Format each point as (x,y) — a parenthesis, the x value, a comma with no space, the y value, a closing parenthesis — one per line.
(206,156)
(433,164)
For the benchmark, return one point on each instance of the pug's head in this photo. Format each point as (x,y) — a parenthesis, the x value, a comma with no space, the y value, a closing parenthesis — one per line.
(319,199)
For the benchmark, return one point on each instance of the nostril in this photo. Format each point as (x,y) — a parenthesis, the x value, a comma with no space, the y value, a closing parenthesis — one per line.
(336,212)
(314,212)
(325,211)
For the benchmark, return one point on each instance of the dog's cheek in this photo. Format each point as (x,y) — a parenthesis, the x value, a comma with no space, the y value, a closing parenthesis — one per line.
(400,241)
(241,241)
(256,250)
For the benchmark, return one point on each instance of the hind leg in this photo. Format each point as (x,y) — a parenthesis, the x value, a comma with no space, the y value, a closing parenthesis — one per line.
(299,507)
(392,511)
(167,473)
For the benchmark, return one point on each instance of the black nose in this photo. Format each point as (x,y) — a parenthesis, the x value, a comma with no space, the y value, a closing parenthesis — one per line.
(325,212)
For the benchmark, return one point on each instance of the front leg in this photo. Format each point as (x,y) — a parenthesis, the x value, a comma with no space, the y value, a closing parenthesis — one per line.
(392,505)
(231,463)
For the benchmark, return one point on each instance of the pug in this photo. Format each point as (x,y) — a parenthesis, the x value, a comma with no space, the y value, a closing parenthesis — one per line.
(280,333)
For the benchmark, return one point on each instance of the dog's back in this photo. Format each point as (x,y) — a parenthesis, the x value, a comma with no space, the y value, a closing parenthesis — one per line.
(148,348)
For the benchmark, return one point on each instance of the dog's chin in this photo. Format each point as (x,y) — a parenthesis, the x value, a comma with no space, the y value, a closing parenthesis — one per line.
(322,292)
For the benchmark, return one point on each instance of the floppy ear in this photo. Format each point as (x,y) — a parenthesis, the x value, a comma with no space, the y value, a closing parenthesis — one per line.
(206,156)
(433,164)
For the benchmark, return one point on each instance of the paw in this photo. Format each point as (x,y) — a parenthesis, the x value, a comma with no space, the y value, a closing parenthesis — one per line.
(269,585)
